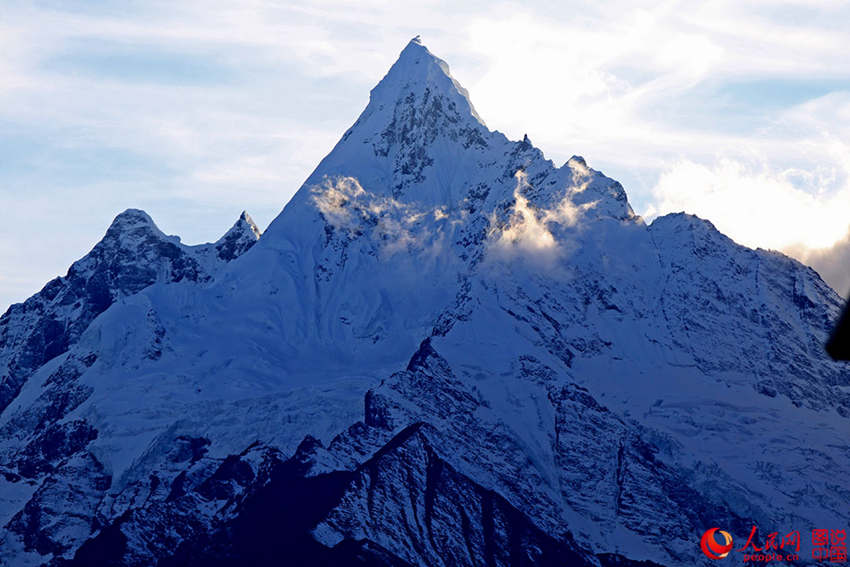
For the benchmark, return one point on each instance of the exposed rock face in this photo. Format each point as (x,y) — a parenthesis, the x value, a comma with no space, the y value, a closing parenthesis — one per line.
(444,351)
(132,255)
(236,241)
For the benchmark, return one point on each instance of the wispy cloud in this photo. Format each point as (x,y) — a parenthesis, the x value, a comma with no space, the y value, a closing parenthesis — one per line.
(832,262)
(733,111)
(392,226)
(758,206)
(527,230)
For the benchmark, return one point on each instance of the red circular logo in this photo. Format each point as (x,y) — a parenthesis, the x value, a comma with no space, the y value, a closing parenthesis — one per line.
(711,548)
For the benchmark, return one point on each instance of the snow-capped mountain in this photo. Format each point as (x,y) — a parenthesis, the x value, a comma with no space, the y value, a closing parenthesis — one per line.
(133,254)
(444,351)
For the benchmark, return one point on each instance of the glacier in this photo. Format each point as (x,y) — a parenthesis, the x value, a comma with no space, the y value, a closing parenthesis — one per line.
(446,350)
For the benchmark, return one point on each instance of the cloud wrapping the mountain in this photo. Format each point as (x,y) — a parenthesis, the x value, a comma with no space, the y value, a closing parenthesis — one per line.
(528,231)
(347,206)
(832,263)
(757,206)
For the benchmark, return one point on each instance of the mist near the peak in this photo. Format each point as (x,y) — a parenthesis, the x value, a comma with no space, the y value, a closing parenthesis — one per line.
(759,207)
(394,225)
(534,232)
(832,263)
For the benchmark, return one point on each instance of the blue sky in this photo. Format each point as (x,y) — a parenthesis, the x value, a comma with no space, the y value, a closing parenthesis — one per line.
(194,111)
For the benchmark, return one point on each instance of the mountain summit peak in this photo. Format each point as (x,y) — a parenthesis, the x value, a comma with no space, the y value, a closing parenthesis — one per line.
(420,140)
(416,51)
(416,70)
(242,235)
(419,120)
(132,217)
(246,220)
(135,224)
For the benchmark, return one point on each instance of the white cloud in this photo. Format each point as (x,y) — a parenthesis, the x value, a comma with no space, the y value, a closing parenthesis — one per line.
(393,225)
(527,231)
(754,205)
(832,263)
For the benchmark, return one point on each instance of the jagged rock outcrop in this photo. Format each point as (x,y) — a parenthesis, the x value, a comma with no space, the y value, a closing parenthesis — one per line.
(131,256)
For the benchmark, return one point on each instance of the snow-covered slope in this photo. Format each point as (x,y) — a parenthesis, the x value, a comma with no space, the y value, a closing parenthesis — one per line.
(446,350)
(133,254)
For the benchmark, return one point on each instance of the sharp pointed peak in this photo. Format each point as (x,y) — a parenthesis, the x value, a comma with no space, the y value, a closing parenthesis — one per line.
(416,62)
(416,49)
(417,69)
(246,220)
(242,235)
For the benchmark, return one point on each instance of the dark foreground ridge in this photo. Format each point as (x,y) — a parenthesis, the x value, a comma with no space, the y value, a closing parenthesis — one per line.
(279,508)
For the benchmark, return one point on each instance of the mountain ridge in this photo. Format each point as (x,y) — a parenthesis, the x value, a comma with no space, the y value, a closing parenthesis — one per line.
(439,314)
(133,254)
